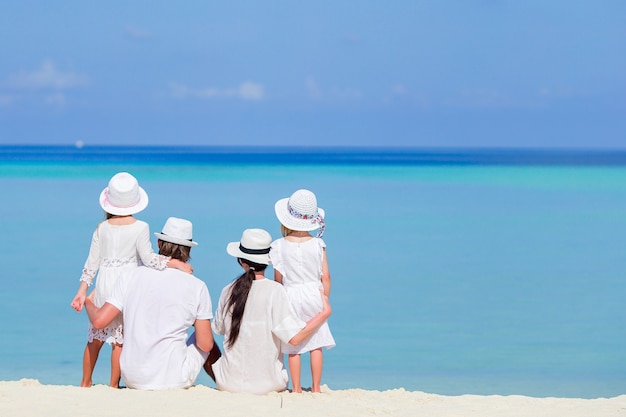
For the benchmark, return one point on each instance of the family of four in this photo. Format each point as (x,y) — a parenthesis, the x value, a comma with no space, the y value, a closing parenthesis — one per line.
(144,304)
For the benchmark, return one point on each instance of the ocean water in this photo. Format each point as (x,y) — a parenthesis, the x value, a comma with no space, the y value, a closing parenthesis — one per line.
(452,273)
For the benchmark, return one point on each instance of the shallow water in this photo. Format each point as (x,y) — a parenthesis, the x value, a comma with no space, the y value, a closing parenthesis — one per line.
(447,279)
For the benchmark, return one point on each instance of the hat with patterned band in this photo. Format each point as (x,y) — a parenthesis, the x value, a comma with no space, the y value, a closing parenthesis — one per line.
(300,212)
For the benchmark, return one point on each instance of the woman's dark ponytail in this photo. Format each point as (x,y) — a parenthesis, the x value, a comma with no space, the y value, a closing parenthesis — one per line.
(238,297)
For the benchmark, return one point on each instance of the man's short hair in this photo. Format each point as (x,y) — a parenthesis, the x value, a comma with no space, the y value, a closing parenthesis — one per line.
(174,251)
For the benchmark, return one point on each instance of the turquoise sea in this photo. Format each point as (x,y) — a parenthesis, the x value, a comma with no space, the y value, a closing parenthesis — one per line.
(453,272)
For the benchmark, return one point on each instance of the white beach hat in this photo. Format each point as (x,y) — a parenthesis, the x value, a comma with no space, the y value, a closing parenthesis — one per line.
(123,196)
(177,231)
(254,246)
(300,212)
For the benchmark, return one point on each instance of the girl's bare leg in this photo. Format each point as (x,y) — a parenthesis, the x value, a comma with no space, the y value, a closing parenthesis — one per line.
(90,357)
(116,351)
(294,370)
(317,360)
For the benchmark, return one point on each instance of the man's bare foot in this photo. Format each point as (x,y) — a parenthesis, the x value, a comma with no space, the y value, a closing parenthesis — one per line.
(85,384)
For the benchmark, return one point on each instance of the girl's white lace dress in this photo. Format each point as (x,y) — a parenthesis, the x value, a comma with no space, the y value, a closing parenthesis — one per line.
(116,249)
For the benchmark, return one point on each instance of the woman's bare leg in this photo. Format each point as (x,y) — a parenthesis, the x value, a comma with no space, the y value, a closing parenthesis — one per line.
(90,357)
(317,361)
(294,370)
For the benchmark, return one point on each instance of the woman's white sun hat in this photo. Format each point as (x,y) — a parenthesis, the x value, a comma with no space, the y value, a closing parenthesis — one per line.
(300,212)
(254,246)
(178,231)
(123,196)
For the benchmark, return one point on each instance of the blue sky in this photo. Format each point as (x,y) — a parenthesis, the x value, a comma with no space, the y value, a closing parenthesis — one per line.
(437,73)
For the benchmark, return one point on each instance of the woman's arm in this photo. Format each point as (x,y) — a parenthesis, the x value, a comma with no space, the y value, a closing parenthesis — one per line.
(278,277)
(325,275)
(313,324)
(219,318)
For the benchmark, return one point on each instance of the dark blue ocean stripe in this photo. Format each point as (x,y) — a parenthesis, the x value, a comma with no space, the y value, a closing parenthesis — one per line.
(308,155)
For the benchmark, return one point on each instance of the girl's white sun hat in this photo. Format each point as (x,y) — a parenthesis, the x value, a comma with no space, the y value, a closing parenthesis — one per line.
(123,196)
(254,246)
(300,212)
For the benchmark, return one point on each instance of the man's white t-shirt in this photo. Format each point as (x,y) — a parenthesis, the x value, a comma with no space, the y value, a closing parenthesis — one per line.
(158,309)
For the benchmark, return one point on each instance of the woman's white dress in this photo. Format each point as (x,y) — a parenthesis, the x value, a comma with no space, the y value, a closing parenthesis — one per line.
(254,364)
(300,264)
(116,249)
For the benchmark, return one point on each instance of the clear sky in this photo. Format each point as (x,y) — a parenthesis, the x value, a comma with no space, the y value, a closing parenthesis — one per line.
(432,73)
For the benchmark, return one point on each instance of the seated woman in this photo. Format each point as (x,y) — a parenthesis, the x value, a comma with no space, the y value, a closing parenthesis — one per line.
(254,315)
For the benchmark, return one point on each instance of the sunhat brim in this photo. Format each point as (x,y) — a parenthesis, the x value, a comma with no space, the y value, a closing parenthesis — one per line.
(176,240)
(292,223)
(124,211)
(233,249)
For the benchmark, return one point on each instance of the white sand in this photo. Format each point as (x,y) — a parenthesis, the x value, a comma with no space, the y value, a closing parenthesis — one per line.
(29,398)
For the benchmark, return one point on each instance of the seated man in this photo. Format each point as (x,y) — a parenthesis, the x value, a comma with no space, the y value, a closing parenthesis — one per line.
(158,309)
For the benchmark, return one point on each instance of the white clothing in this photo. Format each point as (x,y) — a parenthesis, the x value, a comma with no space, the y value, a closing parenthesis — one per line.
(115,250)
(300,264)
(254,363)
(158,308)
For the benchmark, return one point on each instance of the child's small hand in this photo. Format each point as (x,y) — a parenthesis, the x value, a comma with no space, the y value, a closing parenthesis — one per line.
(178,264)
(78,302)
(187,268)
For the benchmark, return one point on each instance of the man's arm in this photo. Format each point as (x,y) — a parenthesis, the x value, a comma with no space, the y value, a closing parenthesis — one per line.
(204,335)
(313,324)
(100,317)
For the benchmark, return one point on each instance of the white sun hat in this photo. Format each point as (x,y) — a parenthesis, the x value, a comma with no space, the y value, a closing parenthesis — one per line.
(123,196)
(300,212)
(254,246)
(178,231)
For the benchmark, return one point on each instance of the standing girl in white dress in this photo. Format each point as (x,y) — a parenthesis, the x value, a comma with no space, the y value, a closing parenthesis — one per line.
(300,264)
(119,244)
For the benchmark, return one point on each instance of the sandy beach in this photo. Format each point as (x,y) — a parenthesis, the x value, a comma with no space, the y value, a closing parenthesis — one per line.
(28,397)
